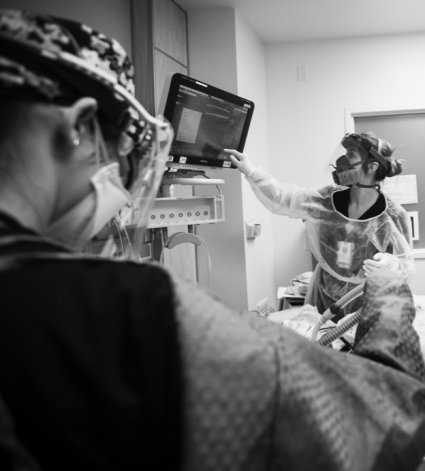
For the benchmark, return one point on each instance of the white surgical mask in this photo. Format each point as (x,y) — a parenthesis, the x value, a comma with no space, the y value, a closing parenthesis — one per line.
(76,227)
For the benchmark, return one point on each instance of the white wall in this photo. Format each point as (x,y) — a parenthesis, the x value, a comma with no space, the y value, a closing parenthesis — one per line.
(212,59)
(306,118)
(252,84)
(225,53)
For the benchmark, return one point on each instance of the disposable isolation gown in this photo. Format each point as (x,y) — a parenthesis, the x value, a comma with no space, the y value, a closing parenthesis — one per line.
(328,230)
(259,397)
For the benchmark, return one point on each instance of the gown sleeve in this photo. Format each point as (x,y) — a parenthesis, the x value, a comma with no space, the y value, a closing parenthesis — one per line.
(402,244)
(259,396)
(280,198)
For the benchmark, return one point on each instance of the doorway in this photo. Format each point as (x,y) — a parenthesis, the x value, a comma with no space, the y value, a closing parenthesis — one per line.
(405,130)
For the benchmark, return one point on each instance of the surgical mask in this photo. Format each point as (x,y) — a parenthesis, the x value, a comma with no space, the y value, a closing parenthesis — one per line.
(345,173)
(82,222)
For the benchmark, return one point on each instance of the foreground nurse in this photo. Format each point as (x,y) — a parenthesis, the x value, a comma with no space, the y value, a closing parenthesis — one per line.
(116,365)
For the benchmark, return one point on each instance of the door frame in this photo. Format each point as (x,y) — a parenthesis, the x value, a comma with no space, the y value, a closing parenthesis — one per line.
(383,110)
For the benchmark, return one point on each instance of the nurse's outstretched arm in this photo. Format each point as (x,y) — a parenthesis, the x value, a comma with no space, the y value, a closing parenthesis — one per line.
(286,199)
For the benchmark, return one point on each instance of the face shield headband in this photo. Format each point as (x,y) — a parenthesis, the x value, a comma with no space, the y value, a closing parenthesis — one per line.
(359,141)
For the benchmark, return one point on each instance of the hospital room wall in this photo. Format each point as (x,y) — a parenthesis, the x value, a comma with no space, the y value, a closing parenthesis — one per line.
(310,86)
(252,83)
(224,52)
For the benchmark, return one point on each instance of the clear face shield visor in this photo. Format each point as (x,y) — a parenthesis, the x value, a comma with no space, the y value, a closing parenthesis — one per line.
(141,158)
(142,165)
(142,169)
(142,151)
(346,161)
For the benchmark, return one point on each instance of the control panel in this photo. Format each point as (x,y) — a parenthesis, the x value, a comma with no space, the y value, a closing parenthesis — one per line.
(180,211)
(186,211)
(178,206)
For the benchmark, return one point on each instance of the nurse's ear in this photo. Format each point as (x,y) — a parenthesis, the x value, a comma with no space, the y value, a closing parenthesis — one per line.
(372,167)
(80,116)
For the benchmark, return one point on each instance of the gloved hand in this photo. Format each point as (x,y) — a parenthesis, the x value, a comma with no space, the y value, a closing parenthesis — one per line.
(381,261)
(241,161)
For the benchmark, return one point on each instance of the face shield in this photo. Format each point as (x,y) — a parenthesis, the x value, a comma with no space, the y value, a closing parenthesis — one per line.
(142,151)
(348,157)
(353,150)
(143,168)
(345,163)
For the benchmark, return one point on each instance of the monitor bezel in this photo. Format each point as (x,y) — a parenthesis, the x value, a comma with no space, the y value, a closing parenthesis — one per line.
(179,80)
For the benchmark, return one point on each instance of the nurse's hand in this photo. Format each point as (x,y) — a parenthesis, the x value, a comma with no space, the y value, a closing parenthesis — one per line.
(241,161)
(381,261)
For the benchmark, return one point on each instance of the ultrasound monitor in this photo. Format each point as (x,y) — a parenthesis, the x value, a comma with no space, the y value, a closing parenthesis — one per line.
(205,120)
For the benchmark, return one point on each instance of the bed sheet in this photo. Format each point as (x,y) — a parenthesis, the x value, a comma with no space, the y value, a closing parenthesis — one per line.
(303,318)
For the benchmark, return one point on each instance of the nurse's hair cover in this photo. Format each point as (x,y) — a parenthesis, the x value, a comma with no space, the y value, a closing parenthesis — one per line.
(59,60)
(376,149)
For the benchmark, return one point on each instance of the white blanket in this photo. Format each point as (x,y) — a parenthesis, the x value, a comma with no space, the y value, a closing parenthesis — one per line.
(302,320)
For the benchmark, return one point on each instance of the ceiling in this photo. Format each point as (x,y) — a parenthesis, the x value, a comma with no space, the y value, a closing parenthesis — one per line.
(298,20)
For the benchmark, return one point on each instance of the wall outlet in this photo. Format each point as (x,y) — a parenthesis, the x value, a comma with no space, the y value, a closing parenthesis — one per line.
(263,308)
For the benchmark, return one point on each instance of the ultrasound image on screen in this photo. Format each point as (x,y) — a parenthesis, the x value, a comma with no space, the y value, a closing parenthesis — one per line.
(205,125)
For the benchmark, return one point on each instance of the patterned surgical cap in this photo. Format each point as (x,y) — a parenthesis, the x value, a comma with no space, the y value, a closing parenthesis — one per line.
(37,55)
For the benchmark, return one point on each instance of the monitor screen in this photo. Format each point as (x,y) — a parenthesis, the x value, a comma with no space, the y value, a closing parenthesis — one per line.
(205,120)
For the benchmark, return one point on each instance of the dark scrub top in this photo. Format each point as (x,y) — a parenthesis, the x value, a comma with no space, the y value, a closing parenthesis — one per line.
(341,201)
(89,359)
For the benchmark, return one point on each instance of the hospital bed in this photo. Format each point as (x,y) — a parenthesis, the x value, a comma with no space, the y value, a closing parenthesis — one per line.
(308,322)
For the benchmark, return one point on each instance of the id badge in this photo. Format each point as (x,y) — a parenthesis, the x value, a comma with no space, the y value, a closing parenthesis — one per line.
(344,256)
